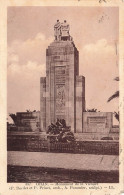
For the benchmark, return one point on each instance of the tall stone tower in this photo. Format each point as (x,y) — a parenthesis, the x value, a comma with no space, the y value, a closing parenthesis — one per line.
(62,91)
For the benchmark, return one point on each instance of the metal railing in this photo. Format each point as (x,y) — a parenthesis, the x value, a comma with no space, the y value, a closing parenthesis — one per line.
(80,147)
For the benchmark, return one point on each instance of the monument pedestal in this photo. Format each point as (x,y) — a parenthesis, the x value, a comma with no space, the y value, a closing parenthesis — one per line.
(63,91)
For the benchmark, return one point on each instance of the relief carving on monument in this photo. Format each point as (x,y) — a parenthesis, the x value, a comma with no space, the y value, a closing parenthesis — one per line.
(60,99)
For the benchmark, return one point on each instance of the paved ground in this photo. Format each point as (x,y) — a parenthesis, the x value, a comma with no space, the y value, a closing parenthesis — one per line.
(64,160)
(20,174)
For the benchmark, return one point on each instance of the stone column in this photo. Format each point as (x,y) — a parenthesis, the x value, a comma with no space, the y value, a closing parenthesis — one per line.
(80,102)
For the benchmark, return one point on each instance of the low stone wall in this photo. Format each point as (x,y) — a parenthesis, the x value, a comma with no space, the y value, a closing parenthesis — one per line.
(38,144)
(96,136)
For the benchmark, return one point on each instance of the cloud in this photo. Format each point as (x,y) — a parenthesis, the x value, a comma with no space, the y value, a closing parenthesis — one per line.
(27,71)
(99,47)
(101,55)
(25,67)
(98,65)
(24,86)
(13,58)
(31,49)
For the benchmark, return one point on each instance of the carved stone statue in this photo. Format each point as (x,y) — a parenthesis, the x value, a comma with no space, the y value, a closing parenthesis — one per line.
(61,31)
(57,31)
(65,31)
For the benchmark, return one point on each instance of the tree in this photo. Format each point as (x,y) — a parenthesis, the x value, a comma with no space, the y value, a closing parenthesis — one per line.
(115,95)
(28,110)
(116,115)
(91,110)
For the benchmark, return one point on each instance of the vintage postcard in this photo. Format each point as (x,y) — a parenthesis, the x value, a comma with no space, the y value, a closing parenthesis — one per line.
(62,97)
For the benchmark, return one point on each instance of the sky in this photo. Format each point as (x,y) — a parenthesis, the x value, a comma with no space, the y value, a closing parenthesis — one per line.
(30,31)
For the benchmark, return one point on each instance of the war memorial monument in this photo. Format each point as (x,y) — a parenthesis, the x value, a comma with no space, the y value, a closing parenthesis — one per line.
(62,91)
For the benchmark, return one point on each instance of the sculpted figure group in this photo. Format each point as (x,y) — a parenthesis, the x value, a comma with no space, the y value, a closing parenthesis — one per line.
(61,31)
(59,132)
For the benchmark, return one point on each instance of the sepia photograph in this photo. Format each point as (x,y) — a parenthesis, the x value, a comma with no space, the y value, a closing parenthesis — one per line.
(63,94)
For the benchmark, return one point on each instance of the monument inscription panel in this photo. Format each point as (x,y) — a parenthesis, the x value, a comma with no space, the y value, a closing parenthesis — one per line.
(97,124)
